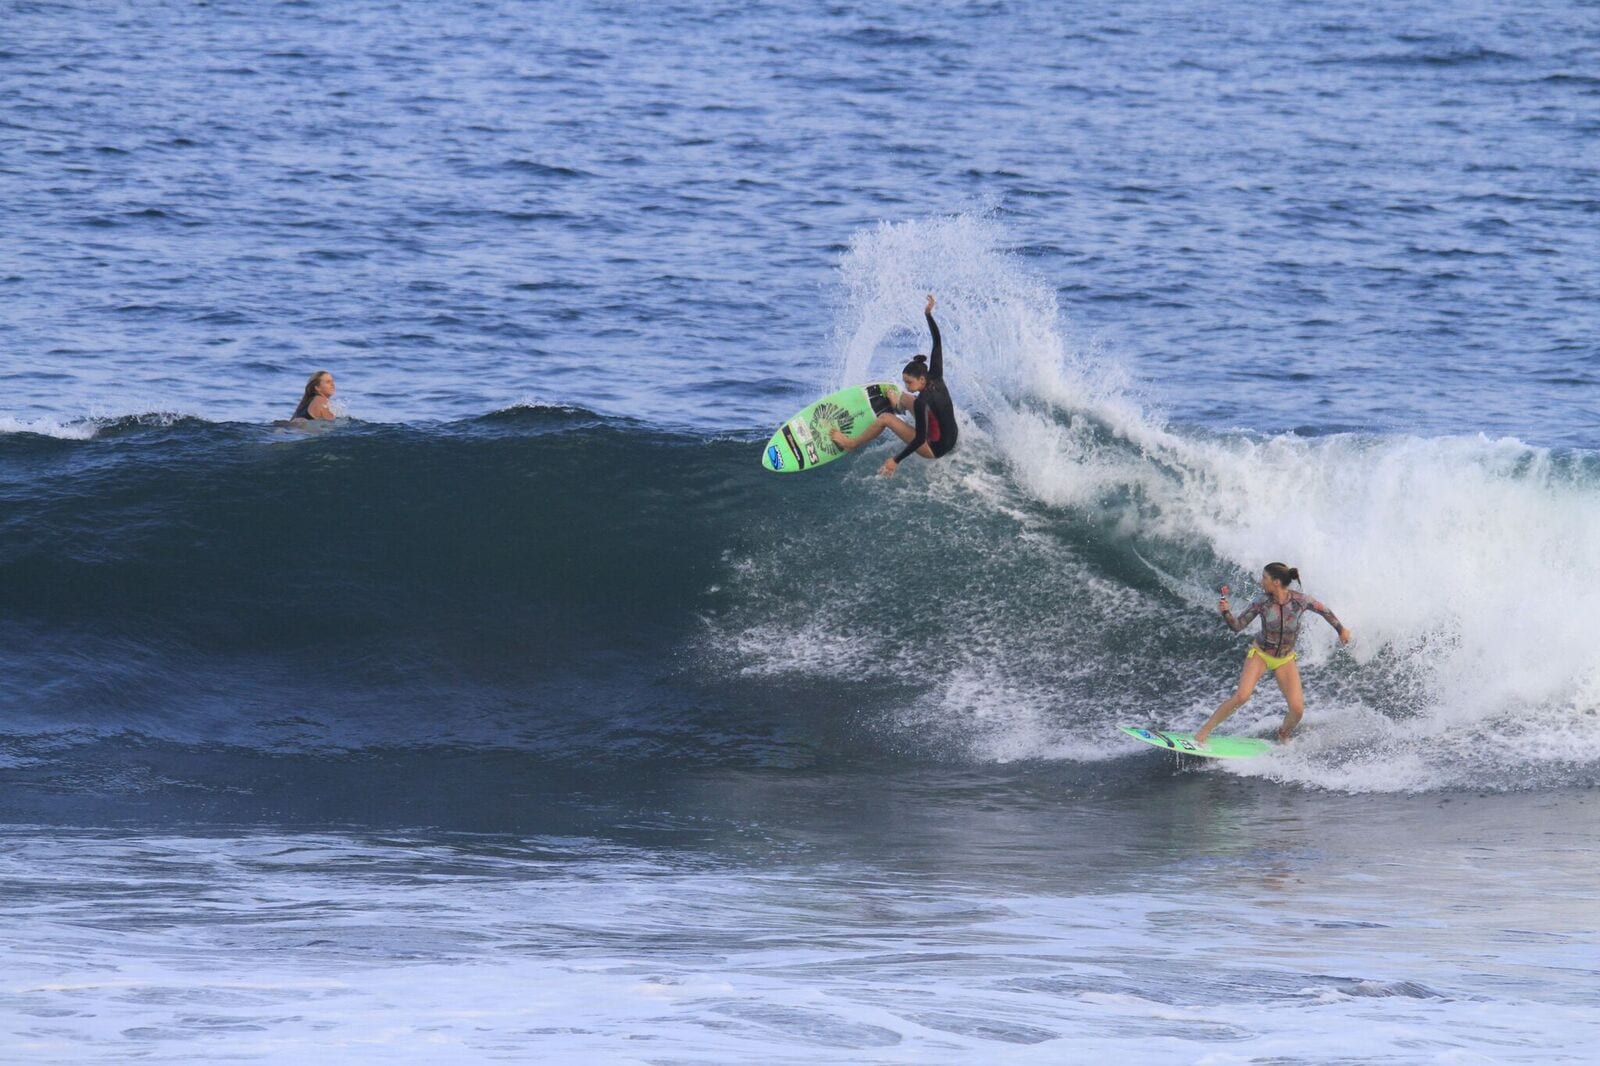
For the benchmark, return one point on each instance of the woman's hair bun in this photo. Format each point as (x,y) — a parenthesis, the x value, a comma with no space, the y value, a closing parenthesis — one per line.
(1282,572)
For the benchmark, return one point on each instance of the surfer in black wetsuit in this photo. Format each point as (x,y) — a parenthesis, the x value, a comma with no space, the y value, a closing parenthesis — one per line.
(934,434)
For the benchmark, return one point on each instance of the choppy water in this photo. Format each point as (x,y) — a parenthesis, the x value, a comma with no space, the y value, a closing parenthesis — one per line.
(951,917)
(522,715)
(1328,217)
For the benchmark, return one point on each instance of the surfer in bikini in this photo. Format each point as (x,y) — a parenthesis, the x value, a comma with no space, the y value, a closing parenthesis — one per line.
(934,434)
(1280,609)
(314,406)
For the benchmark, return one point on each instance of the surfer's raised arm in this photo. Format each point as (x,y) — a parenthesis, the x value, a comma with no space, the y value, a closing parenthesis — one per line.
(1250,613)
(936,358)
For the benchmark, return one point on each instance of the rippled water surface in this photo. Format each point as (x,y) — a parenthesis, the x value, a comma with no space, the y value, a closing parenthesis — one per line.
(1320,217)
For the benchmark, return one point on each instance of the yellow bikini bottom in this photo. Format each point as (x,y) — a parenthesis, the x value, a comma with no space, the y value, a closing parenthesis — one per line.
(1272,661)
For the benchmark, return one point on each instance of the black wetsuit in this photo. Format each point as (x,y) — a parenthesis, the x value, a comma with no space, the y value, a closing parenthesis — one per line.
(935,414)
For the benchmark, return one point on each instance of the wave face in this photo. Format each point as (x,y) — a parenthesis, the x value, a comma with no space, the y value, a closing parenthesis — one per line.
(596,590)
(274,588)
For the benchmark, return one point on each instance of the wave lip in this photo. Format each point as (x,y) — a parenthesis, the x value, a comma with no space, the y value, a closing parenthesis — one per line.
(90,427)
(79,429)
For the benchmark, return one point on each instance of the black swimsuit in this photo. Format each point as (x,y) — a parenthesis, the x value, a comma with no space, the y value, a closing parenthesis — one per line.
(935,413)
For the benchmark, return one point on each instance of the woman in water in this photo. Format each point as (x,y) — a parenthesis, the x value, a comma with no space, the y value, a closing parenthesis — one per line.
(934,435)
(1280,608)
(314,404)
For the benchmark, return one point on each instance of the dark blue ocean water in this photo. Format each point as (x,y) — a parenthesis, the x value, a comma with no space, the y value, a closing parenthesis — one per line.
(520,715)
(1316,216)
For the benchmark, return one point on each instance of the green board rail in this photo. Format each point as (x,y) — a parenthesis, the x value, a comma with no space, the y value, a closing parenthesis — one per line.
(1215,747)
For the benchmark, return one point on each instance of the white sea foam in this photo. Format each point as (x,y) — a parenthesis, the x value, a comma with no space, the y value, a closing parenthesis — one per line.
(89,426)
(295,948)
(1467,568)
(76,429)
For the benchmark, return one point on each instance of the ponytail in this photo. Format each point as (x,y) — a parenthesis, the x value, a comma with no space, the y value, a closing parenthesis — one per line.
(917,368)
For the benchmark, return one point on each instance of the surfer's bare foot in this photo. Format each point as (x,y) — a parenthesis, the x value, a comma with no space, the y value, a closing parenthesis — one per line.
(1284,733)
(841,440)
(1200,737)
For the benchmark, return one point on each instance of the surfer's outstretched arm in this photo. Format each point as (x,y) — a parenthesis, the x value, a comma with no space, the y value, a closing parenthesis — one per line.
(1245,619)
(936,356)
(1331,618)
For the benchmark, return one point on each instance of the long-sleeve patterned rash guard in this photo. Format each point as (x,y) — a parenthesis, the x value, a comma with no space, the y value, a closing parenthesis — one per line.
(1280,622)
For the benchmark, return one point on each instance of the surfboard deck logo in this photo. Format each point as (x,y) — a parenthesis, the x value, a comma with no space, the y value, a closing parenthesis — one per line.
(828,416)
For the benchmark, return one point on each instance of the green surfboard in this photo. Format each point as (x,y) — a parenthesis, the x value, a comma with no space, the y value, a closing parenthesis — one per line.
(803,442)
(1215,747)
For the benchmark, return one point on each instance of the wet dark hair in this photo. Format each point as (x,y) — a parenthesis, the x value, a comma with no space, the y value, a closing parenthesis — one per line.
(1282,572)
(304,410)
(917,368)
